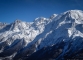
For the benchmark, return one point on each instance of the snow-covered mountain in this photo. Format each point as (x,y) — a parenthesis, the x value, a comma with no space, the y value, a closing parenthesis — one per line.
(59,37)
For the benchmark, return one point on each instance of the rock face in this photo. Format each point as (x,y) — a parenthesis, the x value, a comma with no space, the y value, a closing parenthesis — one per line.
(59,37)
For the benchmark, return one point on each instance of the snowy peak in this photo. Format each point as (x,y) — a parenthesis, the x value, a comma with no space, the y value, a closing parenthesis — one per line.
(18,25)
(41,20)
(74,14)
(72,17)
(2,25)
(53,16)
(71,20)
(17,21)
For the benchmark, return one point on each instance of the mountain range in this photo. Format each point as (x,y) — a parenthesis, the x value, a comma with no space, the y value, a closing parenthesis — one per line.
(59,37)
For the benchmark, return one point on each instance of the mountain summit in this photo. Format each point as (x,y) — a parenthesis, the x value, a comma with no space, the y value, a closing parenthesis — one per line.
(59,37)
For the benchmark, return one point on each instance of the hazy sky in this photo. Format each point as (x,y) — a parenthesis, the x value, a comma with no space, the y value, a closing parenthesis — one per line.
(28,10)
